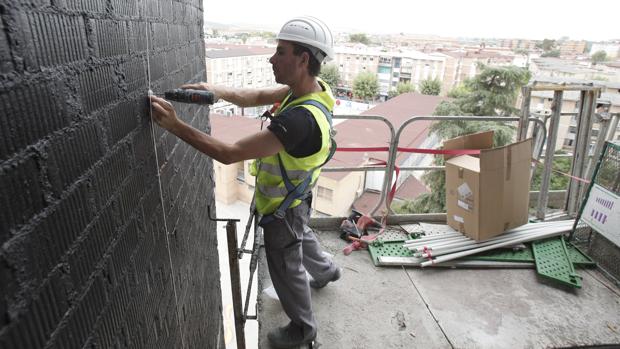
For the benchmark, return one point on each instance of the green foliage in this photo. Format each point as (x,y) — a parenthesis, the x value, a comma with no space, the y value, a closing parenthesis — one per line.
(600,78)
(492,92)
(430,87)
(558,181)
(599,56)
(546,45)
(401,88)
(365,86)
(267,35)
(458,91)
(361,38)
(552,53)
(330,74)
(521,51)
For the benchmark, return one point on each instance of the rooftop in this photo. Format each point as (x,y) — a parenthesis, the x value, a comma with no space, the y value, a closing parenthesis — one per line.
(228,51)
(372,133)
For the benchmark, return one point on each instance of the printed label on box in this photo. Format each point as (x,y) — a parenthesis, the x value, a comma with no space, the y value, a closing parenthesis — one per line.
(465,197)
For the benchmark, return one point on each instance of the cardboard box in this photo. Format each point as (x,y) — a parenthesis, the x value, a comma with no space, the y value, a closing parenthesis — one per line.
(489,194)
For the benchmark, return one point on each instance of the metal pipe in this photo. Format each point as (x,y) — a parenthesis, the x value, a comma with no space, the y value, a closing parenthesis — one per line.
(433,237)
(460,254)
(392,160)
(452,249)
(526,93)
(525,227)
(392,149)
(235,282)
(543,197)
(442,242)
(511,235)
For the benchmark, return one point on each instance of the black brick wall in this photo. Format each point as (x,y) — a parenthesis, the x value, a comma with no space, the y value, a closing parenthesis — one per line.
(93,252)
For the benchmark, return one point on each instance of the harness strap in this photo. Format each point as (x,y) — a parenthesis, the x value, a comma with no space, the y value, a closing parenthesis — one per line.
(299,192)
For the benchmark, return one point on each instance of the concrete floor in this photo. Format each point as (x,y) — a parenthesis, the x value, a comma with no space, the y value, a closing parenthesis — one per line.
(380,307)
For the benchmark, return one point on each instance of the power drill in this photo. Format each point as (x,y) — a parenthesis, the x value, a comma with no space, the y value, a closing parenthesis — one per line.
(189,96)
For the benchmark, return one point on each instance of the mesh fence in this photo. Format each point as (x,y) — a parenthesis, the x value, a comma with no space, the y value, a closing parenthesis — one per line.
(605,252)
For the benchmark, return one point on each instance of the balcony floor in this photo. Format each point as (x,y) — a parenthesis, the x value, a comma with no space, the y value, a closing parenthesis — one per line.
(380,307)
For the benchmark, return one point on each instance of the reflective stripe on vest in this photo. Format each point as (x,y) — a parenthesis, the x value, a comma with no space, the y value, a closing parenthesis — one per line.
(275,171)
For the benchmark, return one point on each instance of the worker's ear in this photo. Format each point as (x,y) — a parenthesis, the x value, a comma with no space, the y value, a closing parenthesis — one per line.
(305,58)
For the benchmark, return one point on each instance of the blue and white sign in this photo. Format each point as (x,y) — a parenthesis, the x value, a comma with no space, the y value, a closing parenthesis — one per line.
(602,213)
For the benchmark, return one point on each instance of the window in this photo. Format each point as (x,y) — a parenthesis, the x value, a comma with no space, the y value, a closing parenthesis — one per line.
(241,174)
(324,193)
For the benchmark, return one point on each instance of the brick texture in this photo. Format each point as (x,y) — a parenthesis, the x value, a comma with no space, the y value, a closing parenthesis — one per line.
(90,254)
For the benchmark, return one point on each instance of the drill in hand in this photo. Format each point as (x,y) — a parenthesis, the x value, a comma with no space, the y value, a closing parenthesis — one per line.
(189,96)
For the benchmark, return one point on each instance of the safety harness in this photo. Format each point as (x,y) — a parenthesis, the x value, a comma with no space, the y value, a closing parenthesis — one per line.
(302,190)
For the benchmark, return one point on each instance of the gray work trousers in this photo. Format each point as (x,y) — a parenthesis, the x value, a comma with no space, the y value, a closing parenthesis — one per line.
(289,257)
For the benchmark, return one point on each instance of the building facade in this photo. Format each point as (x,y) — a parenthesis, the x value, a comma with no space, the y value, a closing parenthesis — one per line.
(238,66)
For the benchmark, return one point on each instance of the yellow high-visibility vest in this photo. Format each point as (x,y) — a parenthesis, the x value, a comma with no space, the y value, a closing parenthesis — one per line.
(270,189)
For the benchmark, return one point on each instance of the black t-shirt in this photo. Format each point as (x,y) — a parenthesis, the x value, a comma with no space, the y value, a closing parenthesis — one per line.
(298,132)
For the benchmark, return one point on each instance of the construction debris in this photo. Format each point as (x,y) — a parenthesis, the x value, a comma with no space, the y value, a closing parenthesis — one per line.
(554,258)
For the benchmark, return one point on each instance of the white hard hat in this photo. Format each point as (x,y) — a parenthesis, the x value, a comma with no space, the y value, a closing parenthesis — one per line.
(311,33)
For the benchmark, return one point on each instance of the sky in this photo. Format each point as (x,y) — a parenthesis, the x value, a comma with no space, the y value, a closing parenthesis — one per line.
(526,19)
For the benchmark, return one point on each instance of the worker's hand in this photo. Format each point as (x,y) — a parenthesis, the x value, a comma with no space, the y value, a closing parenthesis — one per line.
(164,113)
(216,90)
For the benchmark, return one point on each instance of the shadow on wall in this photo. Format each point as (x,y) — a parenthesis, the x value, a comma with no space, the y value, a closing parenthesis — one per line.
(94,250)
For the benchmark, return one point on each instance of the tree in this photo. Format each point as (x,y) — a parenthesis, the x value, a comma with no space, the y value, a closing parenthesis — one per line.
(361,38)
(458,92)
(365,86)
(430,87)
(493,92)
(551,53)
(546,45)
(558,181)
(599,56)
(330,74)
(402,87)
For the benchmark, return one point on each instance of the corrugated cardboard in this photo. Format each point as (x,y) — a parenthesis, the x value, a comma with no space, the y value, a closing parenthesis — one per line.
(488,195)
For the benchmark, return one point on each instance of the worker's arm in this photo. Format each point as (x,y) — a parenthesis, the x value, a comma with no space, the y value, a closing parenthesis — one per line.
(260,144)
(244,97)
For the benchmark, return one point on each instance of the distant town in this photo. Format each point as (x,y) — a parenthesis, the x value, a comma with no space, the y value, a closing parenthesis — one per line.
(421,71)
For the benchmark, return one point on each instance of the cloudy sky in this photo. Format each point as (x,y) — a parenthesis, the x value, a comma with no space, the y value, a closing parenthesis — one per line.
(527,19)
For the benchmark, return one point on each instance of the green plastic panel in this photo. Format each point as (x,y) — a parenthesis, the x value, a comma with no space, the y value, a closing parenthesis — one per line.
(388,248)
(578,258)
(552,261)
(390,244)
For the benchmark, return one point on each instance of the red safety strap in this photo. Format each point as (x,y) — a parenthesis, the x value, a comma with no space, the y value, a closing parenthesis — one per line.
(538,162)
(413,150)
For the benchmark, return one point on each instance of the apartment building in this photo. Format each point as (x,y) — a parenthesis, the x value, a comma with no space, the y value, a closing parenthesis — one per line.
(238,66)
(391,67)
(608,101)
(572,47)
(572,69)
(516,44)
(463,64)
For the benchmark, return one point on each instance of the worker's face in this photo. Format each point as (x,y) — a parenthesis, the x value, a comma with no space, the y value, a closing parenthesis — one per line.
(287,67)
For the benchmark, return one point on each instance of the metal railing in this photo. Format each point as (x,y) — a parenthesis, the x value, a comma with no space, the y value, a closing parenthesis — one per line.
(394,141)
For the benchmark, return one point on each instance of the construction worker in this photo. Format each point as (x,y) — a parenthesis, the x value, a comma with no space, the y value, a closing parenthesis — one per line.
(289,153)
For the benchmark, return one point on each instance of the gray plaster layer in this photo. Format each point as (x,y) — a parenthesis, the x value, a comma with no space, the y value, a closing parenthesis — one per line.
(375,307)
